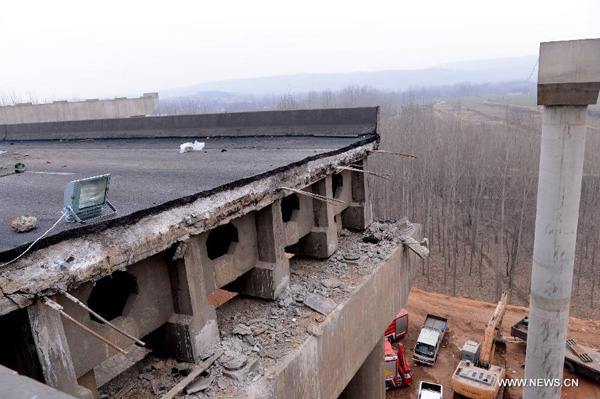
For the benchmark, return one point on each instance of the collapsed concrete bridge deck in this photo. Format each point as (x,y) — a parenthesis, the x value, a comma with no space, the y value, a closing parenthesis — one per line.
(200,225)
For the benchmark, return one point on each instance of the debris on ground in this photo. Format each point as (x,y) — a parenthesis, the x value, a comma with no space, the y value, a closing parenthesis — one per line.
(320,303)
(23,224)
(257,334)
(189,147)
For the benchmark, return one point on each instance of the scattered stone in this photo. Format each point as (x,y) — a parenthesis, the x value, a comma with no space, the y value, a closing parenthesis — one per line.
(351,257)
(222,382)
(160,366)
(146,376)
(331,283)
(183,369)
(242,373)
(286,302)
(371,239)
(23,224)
(235,362)
(314,330)
(242,329)
(199,385)
(259,329)
(249,339)
(320,303)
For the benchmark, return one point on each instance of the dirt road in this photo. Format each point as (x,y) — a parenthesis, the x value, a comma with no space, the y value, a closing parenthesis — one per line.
(466,321)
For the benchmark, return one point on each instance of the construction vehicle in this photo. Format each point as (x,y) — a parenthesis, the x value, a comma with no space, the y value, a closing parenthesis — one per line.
(396,368)
(476,377)
(429,390)
(430,339)
(579,359)
(398,327)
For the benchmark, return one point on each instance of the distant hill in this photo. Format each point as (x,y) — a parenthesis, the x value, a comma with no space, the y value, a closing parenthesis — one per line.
(483,71)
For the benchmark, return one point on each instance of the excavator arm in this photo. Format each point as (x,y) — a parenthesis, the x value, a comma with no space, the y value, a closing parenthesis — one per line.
(488,346)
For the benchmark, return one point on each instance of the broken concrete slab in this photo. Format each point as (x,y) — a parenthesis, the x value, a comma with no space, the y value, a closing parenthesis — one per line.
(242,373)
(320,303)
(200,384)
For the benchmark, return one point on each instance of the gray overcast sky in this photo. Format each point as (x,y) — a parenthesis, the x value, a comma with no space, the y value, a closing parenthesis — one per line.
(65,49)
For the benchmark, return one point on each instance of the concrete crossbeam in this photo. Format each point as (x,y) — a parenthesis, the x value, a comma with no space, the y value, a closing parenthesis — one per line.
(193,327)
(569,72)
(322,241)
(271,274)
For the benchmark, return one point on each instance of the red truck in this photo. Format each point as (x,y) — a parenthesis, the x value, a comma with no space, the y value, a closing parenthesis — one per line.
(396,368)
(398,327)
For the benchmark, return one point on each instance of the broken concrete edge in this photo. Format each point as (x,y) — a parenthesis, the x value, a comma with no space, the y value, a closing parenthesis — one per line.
(45,272)
(134,217)
(329,359)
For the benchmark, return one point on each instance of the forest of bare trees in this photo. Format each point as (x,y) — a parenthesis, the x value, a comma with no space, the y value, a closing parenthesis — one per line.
(474,189)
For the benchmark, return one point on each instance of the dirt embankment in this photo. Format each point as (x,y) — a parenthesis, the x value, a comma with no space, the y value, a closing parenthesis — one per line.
(467,320)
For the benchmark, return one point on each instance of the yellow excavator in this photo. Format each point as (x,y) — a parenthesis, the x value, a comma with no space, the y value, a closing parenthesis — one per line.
(476,377)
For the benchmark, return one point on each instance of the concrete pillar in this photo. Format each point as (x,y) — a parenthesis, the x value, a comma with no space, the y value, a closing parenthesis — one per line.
(271,274)
(322,241)
(53,352)
(369,380)
(559,189)
(359,214)
(193,328)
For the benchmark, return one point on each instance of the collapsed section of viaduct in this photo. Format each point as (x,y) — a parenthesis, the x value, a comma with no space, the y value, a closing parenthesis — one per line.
(151,269)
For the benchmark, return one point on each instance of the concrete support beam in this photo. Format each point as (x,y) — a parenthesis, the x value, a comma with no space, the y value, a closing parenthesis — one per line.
(368,381)
(272,273)
(53,351)
(569,72)
(193,328)
(359,214)
(322,241)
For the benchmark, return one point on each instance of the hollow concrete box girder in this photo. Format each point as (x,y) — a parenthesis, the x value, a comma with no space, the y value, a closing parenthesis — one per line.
(148,306)
(240,258)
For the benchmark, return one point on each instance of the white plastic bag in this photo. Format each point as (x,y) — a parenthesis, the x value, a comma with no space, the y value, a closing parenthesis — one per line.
(189,147)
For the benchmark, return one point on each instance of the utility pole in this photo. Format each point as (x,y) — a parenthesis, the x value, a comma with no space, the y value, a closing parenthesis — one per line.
(568,81)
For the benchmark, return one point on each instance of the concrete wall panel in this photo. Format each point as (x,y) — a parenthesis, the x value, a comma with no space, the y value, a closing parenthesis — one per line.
(79,110)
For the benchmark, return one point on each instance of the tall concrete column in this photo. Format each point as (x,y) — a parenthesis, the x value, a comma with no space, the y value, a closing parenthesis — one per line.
(369,381)
(569,79)
(559,190)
